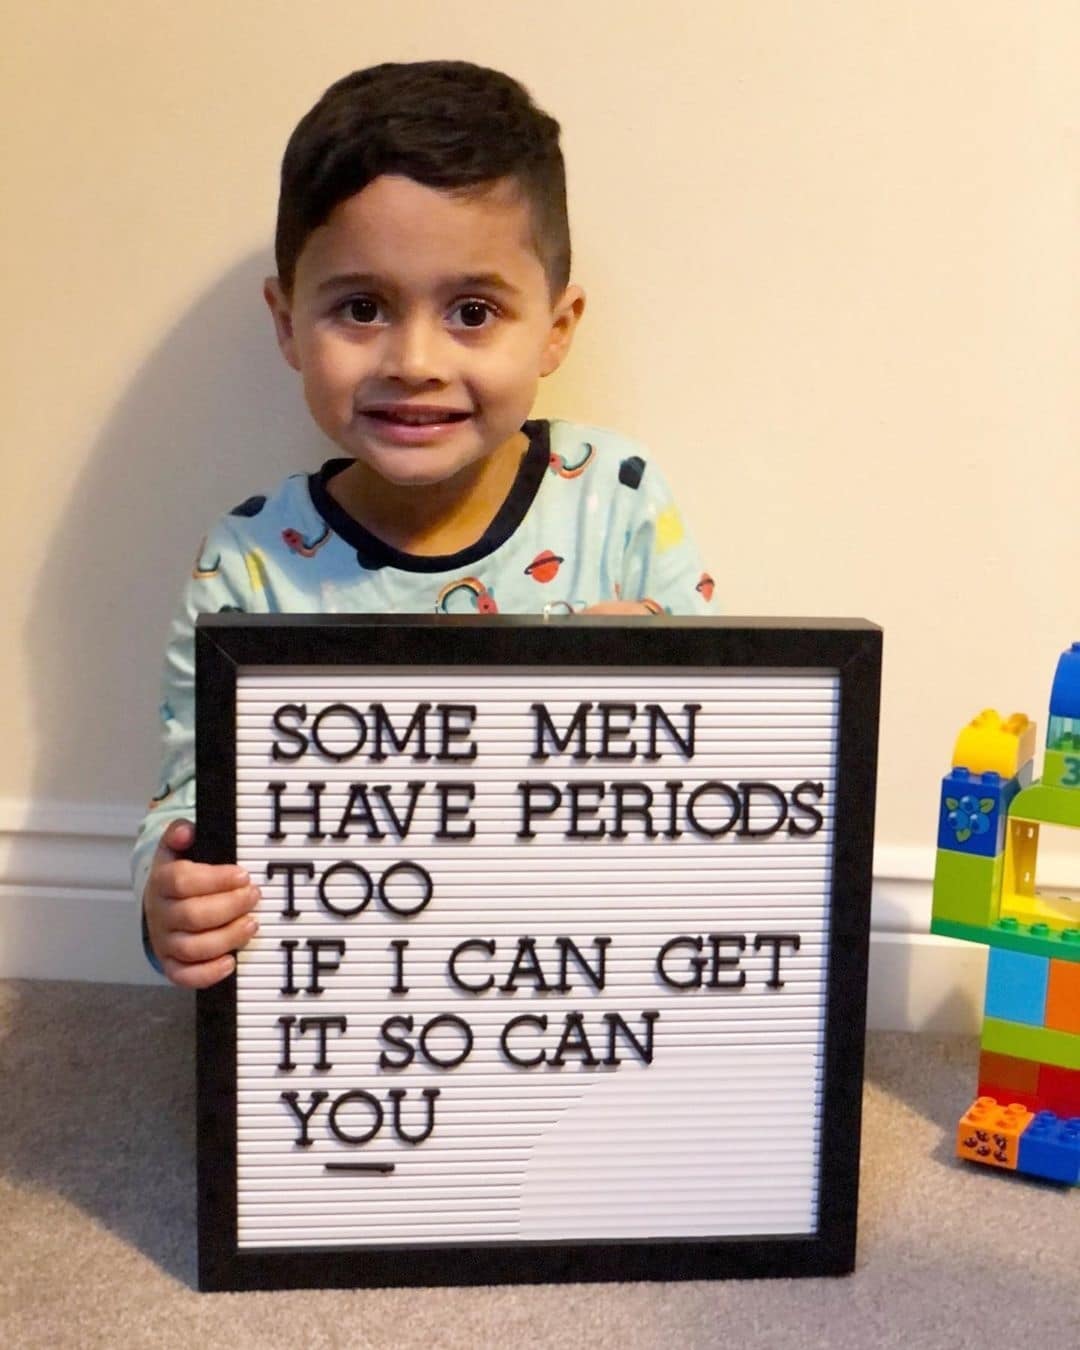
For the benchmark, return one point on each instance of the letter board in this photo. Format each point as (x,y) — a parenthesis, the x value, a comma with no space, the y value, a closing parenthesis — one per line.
(561,965)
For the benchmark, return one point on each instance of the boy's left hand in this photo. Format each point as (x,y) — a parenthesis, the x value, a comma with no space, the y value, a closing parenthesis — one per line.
(624,607)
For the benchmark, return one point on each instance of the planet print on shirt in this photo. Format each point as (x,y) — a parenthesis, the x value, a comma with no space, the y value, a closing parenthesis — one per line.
(571,468)
(250,508)
(296,542)
(544,567)
(205,568)
(705,586)
(669,529)
(631,472)
(469,595)
(255,563)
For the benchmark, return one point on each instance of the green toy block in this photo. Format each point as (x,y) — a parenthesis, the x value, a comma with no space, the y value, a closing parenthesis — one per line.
(967,887)
(1046,804)
(1035,939)
(1061,769)
(1027,1042)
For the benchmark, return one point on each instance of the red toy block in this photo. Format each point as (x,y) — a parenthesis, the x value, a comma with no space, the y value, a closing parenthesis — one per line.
(1031,1101)
(1059,1089)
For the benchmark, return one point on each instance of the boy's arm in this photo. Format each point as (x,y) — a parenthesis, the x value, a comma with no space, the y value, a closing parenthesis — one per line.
(218,581)
(661,562)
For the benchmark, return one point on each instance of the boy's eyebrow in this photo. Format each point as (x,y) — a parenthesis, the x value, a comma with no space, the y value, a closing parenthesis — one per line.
(487,281)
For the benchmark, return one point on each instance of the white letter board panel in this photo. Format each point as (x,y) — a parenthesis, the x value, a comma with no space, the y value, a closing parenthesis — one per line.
(543,960)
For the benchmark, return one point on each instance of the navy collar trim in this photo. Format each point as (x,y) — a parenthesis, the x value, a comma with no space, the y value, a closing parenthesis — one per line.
(373,553)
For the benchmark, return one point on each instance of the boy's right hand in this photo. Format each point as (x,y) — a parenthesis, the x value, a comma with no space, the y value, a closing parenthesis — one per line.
(196,914)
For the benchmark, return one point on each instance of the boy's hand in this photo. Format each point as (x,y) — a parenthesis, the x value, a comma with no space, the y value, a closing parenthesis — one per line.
(196,914)
(624,607)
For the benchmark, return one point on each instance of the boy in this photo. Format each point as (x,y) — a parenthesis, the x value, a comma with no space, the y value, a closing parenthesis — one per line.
(423,290)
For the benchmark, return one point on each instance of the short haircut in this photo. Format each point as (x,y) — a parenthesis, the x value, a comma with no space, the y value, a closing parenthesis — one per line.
(446,124)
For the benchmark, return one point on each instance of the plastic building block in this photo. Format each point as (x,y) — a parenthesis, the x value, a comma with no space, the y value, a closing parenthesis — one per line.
(1027,1115)
(1061,765)
(1016,986)
(1038,939)
(1026,1042)
(1019,897)
(1009,1079)
(974,808)
(991,744)
(1030,1101)
(1063,997)
(1017,1075)
(1050,1147)
(1065,691)
(967,888)
(1063,737)
(1059,1089)
(1050,805)
(990,1133)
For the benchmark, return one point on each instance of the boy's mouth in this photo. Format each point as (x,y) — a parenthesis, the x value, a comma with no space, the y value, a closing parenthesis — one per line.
(415,416)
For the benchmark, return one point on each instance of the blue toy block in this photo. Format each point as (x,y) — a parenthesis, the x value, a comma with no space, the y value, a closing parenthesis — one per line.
(974,809)
(1065,693)
(1016,985)
(1050,1147)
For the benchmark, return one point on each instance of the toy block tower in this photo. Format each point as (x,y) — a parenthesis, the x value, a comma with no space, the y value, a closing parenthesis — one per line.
(1027,1115)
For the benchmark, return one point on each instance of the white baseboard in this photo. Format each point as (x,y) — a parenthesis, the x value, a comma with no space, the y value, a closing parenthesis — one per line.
(67,913)
(66,908)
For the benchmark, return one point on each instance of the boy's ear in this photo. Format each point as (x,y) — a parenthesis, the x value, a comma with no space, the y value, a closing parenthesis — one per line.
(281,310)
(564,320)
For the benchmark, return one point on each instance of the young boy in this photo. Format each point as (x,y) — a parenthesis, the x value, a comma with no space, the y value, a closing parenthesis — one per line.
(423,290)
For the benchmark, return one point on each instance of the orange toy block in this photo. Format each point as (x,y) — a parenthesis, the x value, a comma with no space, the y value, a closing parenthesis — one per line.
(990,1133)
(1063,996)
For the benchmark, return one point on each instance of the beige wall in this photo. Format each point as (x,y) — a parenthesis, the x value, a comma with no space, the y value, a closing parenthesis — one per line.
(831,257)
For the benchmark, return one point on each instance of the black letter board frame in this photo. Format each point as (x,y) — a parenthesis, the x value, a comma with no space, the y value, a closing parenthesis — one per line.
(848,648)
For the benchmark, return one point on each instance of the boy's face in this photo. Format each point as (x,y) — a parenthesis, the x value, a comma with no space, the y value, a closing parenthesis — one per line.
(410,303)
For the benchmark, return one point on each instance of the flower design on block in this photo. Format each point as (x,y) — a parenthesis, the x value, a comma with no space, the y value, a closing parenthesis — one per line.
(968,816)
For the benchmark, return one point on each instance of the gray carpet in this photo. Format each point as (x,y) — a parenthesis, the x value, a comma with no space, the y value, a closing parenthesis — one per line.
(98,1217)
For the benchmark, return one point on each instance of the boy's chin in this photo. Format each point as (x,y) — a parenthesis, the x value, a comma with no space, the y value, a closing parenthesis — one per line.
(418,469)
(428,466)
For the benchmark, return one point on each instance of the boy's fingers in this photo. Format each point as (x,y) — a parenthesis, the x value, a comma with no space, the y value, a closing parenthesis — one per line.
(619,607)
(182,879)
(179,835)
(198,976)
(204,912)
(198,948)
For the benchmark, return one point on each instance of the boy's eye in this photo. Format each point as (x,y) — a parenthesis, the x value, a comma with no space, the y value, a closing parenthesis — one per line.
(361,309)
(474,313)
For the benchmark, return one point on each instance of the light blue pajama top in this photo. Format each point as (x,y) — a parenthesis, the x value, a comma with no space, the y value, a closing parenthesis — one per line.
(589,519)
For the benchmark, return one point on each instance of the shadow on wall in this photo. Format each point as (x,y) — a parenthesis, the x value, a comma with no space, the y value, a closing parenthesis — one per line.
(212,416)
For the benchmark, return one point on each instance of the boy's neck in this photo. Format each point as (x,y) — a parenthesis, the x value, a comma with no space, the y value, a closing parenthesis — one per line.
(437,519)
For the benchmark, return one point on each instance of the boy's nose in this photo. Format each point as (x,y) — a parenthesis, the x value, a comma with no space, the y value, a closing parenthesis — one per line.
(414,352)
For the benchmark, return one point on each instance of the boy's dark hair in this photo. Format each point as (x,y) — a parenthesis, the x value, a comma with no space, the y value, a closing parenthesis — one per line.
(446,124)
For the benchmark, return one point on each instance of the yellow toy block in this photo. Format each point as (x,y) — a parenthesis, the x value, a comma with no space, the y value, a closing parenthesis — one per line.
(1019,898)
(991,744)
